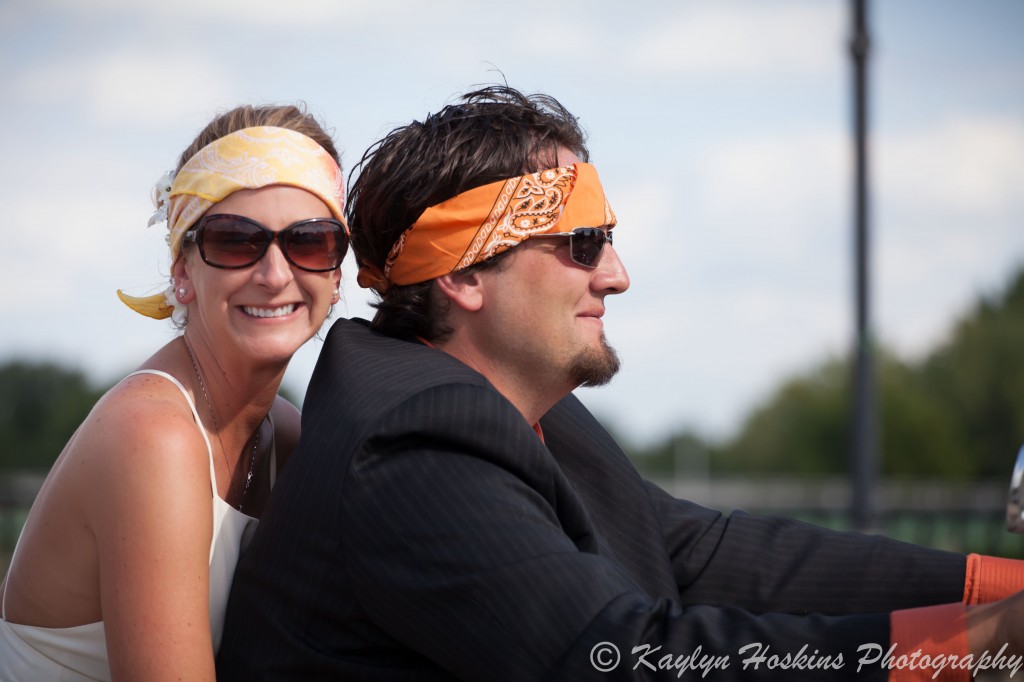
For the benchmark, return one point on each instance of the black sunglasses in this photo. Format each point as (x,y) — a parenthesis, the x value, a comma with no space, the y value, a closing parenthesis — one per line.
(585,244)
(234,241)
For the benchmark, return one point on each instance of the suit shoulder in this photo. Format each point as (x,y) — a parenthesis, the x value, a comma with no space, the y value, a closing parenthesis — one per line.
(357,360)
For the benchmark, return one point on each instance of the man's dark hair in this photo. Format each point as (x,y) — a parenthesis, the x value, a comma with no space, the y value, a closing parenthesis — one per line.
(488,135)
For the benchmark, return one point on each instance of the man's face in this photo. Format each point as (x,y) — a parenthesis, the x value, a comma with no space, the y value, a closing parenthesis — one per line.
(543,313)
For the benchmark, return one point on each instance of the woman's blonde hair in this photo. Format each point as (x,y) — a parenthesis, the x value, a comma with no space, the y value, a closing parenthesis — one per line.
(292,117)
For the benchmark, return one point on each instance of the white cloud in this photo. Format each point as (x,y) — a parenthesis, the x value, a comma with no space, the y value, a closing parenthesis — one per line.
(744,39)
(136,85)
(948,223)
(775,200)
(237,13)
(777,172)
(964,165)
(79,247)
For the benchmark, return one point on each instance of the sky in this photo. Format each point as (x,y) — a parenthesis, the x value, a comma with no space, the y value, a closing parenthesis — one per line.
(721,130)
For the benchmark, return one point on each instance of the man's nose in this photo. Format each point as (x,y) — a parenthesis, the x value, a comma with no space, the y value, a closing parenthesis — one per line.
(610,276)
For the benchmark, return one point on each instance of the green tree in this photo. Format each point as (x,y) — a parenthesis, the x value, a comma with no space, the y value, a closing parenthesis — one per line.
(41,405)
(804,427)
(800,429)
(920,435)
(686,452)
(978,374)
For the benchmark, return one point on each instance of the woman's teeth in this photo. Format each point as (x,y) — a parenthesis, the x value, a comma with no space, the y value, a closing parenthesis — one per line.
(269,312)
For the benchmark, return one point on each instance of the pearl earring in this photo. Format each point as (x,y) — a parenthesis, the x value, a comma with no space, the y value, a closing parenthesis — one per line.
(181,293)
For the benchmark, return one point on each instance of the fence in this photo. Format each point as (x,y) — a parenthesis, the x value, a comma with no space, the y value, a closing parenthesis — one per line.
(957,517)
(960,517)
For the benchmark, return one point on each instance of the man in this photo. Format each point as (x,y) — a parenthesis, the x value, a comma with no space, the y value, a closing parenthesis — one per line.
(453,512)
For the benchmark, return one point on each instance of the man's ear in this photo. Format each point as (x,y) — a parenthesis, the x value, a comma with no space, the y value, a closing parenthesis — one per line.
(463,289)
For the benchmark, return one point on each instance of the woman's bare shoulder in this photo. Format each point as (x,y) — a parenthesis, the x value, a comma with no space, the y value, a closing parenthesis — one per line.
(141,427)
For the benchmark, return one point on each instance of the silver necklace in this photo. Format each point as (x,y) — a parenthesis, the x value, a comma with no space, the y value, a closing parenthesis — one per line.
(216,425)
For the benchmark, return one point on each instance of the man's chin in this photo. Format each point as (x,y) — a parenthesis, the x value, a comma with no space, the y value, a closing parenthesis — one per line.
(594,366)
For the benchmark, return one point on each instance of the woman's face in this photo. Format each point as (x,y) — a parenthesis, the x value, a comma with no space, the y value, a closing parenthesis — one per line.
(267,310)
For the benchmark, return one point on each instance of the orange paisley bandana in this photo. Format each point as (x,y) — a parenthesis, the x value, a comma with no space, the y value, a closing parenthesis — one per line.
(484,221)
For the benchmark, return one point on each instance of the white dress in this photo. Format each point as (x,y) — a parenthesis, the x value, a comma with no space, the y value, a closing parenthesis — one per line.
(29,653)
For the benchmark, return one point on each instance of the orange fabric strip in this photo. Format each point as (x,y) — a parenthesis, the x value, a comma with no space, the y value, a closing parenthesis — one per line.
(482,222)
(925,638)
(992,578)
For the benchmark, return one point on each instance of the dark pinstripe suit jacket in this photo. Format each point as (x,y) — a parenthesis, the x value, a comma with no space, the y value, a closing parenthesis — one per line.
(422,531)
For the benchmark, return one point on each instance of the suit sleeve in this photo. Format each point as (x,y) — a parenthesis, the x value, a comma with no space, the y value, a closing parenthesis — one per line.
(800,568)
(762,564)
(453,543)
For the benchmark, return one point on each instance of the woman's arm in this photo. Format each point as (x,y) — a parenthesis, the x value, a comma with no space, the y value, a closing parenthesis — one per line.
(151,514)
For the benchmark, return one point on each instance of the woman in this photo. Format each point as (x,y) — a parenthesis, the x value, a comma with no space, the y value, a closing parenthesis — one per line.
(123,567)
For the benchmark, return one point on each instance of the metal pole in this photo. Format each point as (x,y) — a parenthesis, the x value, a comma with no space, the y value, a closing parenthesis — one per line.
(865,438)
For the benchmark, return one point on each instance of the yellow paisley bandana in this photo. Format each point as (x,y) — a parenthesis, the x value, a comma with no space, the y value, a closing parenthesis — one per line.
(482,222)
(245,159)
